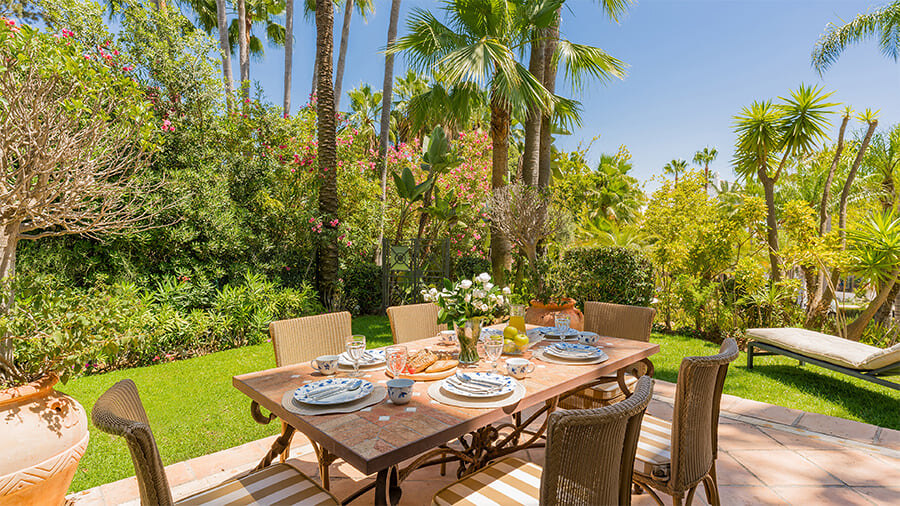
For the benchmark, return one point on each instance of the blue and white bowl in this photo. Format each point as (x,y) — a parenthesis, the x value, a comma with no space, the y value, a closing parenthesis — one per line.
(400,390)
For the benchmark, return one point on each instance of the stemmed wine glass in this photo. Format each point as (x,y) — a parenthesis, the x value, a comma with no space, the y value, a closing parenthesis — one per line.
(562,325)
(493,348)
(396,359)
(356,347)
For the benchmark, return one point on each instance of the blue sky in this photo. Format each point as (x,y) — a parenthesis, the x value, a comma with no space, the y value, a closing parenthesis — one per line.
(693,65)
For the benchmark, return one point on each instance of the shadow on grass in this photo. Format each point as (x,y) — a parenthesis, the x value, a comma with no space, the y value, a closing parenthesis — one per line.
(376,328)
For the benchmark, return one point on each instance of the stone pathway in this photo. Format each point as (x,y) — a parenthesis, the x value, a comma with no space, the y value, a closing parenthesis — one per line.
(767,455)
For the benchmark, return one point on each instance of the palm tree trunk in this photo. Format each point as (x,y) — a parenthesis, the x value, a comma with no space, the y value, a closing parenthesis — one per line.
(856,327)
(771,225)
(500,256)
(845,193)
(549,83)
(531,157)
(384,135)
(225,48)
(315,76)
(342,53)
(288,54)
(327,254)
(244,48)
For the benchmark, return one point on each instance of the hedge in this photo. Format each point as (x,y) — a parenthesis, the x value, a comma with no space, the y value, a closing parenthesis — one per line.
(617,275)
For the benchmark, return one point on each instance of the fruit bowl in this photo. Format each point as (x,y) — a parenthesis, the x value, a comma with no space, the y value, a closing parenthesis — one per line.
(512,348)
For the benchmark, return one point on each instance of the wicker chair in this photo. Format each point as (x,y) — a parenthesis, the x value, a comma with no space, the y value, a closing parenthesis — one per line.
(413,322)
(119,412)
(589,461)
(674,457)
(613,320)
(303,339)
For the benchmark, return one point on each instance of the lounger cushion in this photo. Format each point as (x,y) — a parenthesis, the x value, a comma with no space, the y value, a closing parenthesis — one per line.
(827,348)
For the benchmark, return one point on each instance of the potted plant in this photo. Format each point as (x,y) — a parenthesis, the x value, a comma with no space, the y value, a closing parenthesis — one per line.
(526,216)
(466,304)
(52,333)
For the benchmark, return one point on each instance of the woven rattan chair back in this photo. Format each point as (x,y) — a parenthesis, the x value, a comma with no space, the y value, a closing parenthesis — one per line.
(590,452)
(617,320)
(119,412)
(695,419)
(413,322)
(303,339)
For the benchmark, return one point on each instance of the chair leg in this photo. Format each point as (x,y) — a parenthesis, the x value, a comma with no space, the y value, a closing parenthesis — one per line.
(286,454)
(690,495)
(711,485)
(678,500)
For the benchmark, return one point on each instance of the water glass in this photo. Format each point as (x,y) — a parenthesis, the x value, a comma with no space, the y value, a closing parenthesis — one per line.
(493,348)
(356,347)
(562,325)
(396,356)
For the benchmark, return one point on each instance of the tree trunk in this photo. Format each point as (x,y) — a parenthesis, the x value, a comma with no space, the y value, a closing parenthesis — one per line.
(8,243)
(549,82)
(288,55)
(327,256)
(500,256)
(771,225)
(315,75)
(826,191)
(883,316)
(387,93)
(342,53)
(531,157)
(225,48)
(244,47)
(706,177)
(856,327)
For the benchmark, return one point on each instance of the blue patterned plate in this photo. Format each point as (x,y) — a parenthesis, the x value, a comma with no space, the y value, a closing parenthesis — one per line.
(456,386)
(552,333)
(307,394)
(573,351)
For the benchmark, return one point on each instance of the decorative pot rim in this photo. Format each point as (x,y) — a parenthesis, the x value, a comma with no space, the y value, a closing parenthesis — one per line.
(23,392)
(567,303)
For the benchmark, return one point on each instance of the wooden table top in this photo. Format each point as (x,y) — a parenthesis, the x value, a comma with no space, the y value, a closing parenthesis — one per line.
(383,435)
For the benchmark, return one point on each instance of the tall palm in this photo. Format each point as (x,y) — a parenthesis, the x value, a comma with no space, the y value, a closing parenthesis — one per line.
(704,157)
(387,94)
(769,136)
(478,46)
(327,251)
(244,47)
(364,7)
(602,66)
(365,108)
(883,23)
(288,54)
(225,48)
(675,167)
(884,158)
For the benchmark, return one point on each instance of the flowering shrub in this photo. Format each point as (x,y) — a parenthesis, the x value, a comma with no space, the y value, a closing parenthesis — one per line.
(469,298)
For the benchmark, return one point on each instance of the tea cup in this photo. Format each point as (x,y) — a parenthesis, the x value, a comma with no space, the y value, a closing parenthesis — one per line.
(447,336)
(400,390)
(519,367)
(589,338)
(326,364)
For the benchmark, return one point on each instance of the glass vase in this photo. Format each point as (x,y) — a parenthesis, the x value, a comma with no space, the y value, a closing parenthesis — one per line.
(468,335)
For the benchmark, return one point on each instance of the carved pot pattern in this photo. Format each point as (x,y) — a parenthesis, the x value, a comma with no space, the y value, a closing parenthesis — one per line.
(43,435)
(543,314)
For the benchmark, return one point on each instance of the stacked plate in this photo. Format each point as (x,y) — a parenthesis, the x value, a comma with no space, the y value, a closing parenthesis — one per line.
(574,352)
(554,334)
(333,391)
(479,385)
(370,359)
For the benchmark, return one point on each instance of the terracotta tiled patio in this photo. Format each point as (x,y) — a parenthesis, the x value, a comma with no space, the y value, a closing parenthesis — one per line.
(767,455)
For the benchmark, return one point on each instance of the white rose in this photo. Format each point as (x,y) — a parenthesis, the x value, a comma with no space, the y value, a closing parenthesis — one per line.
(478,294)
(506,290)
(483,277)
(488,286)
(433,291)
(465,284)
(467,298)
(483,307)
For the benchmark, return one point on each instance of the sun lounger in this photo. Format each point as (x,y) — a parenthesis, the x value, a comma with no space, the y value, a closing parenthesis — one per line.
(831,352)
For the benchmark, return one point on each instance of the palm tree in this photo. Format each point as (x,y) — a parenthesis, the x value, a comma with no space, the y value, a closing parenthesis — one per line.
(365,107)
(288,54)
(883,23)
(364,7)
(675,167)
(327,251)
(478,46)
(244,47)
(765,133)
(703,157)
(225,48)
(387,94)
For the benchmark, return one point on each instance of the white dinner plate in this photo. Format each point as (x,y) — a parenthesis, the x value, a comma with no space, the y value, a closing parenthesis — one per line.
(456,386)
(573,351)
(370,359)
(307,393)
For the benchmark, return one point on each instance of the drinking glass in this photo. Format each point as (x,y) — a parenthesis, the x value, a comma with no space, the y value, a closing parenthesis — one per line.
(493,347)
(517,316)
(396,359)
(562,325)
(356,346)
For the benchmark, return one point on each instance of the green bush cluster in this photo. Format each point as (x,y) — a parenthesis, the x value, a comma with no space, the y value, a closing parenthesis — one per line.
(362,288)
(609,274)
(468,267)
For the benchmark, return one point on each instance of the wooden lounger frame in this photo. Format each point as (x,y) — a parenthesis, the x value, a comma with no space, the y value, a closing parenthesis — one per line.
(875,375)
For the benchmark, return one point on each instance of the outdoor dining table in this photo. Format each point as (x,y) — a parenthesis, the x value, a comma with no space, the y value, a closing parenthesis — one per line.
(379,438)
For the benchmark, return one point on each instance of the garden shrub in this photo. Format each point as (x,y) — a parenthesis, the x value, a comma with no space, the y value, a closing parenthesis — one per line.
(617,275)
(362,288)
(470,266)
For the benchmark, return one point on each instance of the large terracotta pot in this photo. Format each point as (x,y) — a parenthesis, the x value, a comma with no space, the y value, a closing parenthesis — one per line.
(43,434)
(543,314)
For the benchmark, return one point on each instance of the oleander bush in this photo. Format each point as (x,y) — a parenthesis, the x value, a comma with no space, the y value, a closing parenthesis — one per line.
(362,288)
(607,274)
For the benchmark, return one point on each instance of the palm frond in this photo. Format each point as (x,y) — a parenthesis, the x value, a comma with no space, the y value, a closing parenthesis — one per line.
(580,61)
(884,22)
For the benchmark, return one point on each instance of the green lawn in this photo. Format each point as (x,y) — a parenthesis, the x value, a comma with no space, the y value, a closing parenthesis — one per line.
(194,410)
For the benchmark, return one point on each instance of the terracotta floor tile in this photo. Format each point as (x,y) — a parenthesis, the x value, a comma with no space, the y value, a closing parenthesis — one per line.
(120,491)
(783,467)
(749,496)
(743,436)
(660,409)
(91,497)
(820,496)
(765,411)
(664,389)
(887,496)
(889,438)
(730,472)
(227,459)
(179,473)
(855,468)
(800,441)
(838,427)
